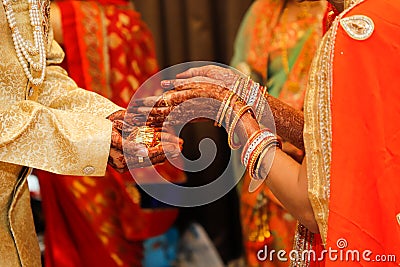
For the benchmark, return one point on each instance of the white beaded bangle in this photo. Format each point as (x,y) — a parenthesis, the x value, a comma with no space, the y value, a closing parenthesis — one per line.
(253,145)
(253,94)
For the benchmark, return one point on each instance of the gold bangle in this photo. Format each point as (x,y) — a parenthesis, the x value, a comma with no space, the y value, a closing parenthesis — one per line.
(220,110)
(240,87)
(264,91)
(229,112)
(228,115)
(261,103)
(232,127)
(246,84)
(236,85)
(227,104)
(260,111)
(256,173)
(253,160)
(253,142)
(256,154)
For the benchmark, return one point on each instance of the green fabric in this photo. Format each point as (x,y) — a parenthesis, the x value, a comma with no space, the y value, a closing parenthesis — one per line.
(276,71)
(243,41)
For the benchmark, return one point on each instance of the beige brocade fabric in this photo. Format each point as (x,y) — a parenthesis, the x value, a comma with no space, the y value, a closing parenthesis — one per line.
(57,127)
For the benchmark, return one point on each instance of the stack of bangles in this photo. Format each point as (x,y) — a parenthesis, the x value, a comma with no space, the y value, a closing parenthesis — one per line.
(252,93)
(256,148)
(226,111)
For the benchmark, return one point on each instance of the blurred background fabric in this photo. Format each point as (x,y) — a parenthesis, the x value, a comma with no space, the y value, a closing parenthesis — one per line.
(187,30)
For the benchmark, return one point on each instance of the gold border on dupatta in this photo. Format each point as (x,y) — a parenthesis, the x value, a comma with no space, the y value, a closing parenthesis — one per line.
(318,125)
(318,131)
(318,137)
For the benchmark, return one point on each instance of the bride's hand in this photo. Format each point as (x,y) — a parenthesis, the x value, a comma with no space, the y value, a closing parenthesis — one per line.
(193,99)
(224,76)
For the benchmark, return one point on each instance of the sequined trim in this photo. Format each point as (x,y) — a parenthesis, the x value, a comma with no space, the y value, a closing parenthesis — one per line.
(303,241)
(317,129)
(358,27)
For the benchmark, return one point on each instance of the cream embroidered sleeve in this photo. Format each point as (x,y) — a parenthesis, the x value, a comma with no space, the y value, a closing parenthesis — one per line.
(61,129)
(54,126)
(58,141)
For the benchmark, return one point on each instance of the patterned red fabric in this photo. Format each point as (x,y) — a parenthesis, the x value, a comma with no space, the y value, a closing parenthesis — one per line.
(98,221)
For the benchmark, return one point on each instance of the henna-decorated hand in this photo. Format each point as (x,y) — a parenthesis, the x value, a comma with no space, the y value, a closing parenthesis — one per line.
(208,83)
(129,152)
(199,98)
(289,122)
(127,121)
(194,99)
(118,115)
(225,76)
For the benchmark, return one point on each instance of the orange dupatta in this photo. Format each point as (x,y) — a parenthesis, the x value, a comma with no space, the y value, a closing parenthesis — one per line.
(358,170)
(365,196)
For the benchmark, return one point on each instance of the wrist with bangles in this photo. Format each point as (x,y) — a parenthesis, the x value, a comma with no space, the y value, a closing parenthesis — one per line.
(252,93)
(262,141)
(232,126)
(226,110)
(255,150)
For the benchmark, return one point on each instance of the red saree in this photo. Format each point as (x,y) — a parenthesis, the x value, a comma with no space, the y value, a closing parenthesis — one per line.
(99,221)
(353,171)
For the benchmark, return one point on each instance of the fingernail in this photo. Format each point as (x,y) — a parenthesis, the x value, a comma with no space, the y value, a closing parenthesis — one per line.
(166,83)
(142,153)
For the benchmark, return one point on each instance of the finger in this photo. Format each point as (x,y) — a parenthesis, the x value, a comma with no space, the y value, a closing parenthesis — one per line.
(116,139)
(166,148)
(153,155)
(150,117)
(155,120)
(118,124)
(175,123)
(187,92)
(204,87)
(133,120)
(116,160)
(119,115)
(168,129)
(137,161)
(190,83)
(146,102)
(142,112)
(192,72)
(132,148)
(168,137)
